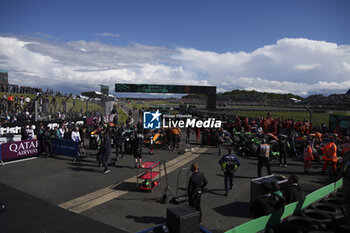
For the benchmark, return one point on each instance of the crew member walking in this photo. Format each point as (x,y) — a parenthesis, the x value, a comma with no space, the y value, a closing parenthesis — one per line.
(48,135)
(264,157)
(106,151)
(229,164)
(196,184)
(137,146)
(220,138)
(308,157)
(330,156)
(283,147)
(118,139)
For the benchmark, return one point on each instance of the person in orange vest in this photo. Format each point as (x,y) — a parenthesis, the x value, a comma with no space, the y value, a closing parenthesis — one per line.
(345,146)
(330,156)
(175,136)
(318,137)
(10,101)
(308,157)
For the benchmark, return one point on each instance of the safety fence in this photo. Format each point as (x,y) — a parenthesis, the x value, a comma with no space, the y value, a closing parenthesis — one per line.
(268,221)
(29,148)
(65,147)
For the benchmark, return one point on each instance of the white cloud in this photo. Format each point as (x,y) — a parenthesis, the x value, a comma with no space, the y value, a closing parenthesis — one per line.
(287,66)
(107,34)
(303,67)
(300,66)
(264,85)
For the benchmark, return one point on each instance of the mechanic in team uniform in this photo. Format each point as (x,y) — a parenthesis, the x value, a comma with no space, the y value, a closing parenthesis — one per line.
(229,164)
(196,184)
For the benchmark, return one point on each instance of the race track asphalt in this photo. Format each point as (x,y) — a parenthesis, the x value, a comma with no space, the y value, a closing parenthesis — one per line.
(33,190)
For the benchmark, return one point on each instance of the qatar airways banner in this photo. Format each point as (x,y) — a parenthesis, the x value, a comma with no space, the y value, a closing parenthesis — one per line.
(16,150)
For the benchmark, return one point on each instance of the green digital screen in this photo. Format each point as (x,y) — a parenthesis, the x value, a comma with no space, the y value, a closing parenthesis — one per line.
(209,91)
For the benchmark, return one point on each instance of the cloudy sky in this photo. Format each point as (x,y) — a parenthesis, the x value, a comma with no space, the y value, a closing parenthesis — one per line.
(302,47)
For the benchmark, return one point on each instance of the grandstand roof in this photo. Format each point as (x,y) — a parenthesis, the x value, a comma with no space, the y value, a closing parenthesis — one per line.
(96,94)
(3,71)
(348,92)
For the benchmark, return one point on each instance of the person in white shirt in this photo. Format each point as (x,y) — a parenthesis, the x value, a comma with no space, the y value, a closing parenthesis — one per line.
(76,135)
(62,130)
(27,99)
(30,132)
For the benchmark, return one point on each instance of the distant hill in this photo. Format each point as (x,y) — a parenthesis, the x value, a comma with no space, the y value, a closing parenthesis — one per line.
(268,95)
(237,93)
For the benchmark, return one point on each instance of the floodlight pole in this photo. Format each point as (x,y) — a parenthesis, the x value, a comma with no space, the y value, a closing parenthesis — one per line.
(87,106)
(36,110)
(310,115)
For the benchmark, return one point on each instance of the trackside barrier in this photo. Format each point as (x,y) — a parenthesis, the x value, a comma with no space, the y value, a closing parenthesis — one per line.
(17,150)
(65,147)
(268,221)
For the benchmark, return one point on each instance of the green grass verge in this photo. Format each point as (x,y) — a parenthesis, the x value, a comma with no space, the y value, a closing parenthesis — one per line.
(320,117)
(160,103)
(137,105)
(122,115)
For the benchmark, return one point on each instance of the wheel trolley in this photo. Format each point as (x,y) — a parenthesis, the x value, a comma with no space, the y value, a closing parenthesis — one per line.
(148,175)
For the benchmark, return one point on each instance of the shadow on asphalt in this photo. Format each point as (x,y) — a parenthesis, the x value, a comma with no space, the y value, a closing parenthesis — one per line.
(119,166)
(325,180)
(156,200)
(211,191)
(248,158)
(147,219)
(235,209)
(61,157)
(126,186)
(214,191)
(80,164)
(245,177)
(215,231)
(26,213)
(288,164)
(79,169)
(290,172)
(237,176)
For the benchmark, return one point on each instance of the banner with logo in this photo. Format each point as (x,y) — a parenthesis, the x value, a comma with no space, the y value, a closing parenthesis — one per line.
(16,150)
(153,120)
(106,119)
(15,128)
(65,147)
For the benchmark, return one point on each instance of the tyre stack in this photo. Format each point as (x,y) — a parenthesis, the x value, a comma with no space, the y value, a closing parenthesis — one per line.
(324,216)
